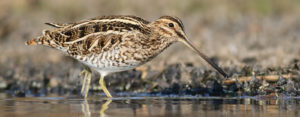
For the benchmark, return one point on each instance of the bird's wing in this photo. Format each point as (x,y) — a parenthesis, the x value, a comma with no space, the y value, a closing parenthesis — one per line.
(98,37)
(93,35)
(94,44)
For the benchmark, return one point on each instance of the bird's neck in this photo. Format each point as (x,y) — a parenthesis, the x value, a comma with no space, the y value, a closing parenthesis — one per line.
(154,45)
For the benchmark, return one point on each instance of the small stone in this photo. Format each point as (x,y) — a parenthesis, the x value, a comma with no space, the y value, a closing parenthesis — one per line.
(281,81)
(20,93)
(3,85)
(53,82)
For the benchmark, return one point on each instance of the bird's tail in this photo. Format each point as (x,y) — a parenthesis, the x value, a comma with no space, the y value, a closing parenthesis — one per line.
(44,40)
(31,42)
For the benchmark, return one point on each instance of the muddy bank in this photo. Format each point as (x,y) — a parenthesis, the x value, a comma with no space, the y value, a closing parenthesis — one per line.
(174,79)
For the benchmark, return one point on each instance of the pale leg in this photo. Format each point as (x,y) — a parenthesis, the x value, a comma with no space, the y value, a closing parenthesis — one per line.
(103,87)
(86,81)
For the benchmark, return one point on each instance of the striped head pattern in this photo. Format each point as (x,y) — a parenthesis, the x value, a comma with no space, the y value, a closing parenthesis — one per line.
(170,27)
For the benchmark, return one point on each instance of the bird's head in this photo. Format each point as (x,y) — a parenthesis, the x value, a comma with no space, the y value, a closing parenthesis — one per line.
(172,28)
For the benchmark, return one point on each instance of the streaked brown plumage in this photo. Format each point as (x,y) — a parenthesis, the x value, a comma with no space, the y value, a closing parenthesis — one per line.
(111,44)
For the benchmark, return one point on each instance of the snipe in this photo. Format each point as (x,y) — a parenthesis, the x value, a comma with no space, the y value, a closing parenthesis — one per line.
(111,44)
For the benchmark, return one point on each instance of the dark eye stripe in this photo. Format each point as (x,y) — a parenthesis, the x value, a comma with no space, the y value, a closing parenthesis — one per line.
(179,35)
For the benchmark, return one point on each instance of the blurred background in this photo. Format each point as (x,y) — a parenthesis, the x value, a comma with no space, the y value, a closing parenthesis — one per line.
(234,33)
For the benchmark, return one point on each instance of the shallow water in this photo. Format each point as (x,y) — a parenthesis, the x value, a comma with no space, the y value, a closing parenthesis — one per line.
(148,106)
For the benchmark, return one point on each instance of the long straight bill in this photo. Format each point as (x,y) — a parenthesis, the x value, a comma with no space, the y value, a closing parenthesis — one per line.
(190,45)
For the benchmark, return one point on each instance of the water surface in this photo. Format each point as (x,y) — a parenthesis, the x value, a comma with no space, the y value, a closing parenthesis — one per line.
(159,106)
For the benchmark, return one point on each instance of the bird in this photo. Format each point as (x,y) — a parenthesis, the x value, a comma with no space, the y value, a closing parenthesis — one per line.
(115,43)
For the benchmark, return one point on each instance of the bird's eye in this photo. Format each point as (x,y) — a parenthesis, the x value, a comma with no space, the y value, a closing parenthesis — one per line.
(171,25)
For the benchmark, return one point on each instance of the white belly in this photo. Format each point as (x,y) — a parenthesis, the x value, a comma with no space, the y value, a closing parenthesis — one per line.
(107,66)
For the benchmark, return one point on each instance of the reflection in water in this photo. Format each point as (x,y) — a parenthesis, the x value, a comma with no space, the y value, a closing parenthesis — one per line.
(148,106)
(86,109)
(104,107)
